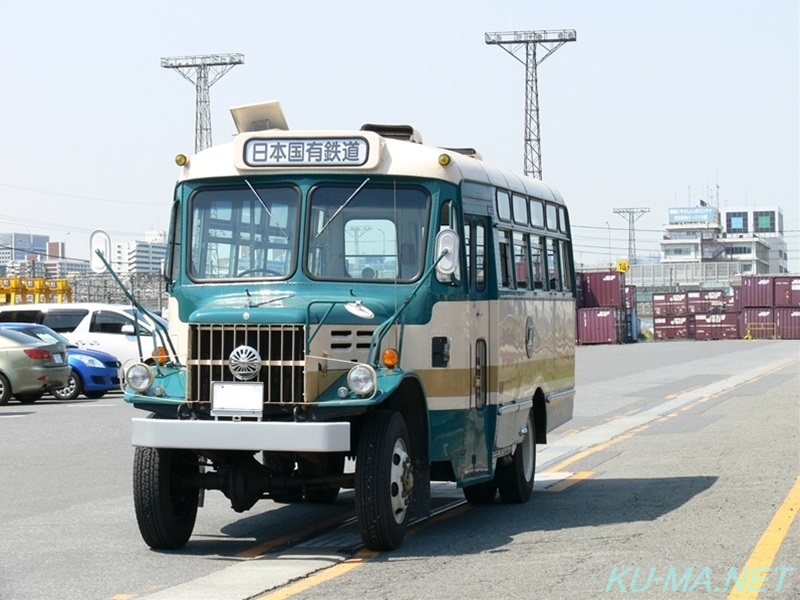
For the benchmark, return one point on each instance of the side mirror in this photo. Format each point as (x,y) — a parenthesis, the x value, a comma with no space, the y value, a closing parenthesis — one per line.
(128,329)
(446,248)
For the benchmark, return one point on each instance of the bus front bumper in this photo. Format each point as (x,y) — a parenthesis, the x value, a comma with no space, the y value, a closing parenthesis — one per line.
(242,435)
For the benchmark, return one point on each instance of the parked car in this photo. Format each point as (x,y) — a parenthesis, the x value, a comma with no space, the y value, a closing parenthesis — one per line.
(92,373)
(30,367)
(106,327)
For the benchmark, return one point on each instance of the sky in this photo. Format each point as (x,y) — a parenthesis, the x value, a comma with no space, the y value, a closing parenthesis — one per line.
(656,105)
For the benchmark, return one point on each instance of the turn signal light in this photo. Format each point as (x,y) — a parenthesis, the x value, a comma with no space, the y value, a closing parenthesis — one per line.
(160,355)
(390,358)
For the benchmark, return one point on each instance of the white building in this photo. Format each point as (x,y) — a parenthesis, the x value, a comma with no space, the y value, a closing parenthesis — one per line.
(141,256)
(751,237)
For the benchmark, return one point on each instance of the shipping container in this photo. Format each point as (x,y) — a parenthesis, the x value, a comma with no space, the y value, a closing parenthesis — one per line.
(677,303)
(705,301)
(634,326)
(601,325)
(671,328)
(787,323)
(756,291)
(660,305)
(787,291)
(580,302)
(605,288)
(757,323)
(630,297)
(733,304)
(716,326)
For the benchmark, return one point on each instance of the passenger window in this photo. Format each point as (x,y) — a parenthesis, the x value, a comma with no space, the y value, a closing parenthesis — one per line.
(503,206)
(520,210)
(108,322)
(64,320)
(553,265)
(537,213)
(552,217)
(505,259)
(521,259)
(537,263)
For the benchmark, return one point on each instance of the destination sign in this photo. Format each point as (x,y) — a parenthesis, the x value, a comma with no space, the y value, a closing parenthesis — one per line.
(306,152)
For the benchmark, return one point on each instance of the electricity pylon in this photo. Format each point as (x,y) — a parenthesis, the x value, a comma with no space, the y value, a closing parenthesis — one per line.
(631,214)
(550,41)
(203,71)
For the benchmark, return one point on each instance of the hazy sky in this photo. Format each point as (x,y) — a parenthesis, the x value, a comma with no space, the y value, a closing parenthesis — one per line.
(657,104)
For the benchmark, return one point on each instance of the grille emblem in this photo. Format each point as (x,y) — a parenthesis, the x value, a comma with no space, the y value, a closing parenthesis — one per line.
(244,363)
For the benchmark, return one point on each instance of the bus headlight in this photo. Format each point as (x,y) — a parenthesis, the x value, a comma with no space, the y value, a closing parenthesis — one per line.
(139,377)
(362,379)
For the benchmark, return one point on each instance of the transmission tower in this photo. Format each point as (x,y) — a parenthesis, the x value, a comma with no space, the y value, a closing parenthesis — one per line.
(203,71)
(631,214)
(512,42)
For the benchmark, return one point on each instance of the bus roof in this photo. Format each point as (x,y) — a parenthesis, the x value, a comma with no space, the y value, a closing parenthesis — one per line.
(250,151)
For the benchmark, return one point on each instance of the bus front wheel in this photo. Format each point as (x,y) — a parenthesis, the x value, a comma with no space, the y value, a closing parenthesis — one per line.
(166,509)
(515,477)
(384,480)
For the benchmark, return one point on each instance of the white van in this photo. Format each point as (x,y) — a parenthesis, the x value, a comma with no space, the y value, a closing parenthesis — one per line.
(106,327)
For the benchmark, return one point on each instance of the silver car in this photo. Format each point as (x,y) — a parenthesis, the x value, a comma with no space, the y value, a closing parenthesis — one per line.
(30,367)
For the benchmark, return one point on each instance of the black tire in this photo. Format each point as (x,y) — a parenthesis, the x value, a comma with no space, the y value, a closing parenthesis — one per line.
(384,480)
(515,477)
(330,465)
(72,390)
(166,509)
(481,493)
(94,395)
(5,390)
(28,398)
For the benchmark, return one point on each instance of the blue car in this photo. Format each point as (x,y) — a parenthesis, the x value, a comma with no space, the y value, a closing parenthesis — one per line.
(92,373)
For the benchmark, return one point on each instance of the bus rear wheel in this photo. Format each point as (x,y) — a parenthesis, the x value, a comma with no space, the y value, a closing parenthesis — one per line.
(166,508)
(384,480)
(515,477)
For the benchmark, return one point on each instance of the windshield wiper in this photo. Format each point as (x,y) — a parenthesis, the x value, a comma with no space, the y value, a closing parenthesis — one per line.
(264,204)
(341,208)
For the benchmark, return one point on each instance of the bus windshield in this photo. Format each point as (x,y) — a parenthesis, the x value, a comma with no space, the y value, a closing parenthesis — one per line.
(367,231)
(244,231)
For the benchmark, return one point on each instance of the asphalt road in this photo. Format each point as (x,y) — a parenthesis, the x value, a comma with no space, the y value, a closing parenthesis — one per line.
(681,456)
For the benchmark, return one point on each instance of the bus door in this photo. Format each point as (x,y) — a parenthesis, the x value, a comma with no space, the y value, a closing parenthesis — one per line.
(479,422)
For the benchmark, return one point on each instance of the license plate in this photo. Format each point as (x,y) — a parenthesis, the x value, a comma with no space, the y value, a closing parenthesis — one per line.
(236,399)
(57,358)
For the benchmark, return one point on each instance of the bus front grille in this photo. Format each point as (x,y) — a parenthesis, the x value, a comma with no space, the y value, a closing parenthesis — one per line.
(282,352)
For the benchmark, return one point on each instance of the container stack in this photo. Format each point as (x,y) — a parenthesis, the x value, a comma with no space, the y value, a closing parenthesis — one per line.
(763,307)
(603,309)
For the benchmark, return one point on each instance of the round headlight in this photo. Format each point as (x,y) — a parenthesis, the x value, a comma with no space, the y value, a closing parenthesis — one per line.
(139,377)
(361,379)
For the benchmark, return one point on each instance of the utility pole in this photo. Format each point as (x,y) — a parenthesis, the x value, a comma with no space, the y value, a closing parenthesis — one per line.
(549,41)
(203,71)
(631,214)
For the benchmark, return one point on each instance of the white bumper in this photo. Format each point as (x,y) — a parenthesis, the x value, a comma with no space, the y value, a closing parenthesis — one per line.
(242,435)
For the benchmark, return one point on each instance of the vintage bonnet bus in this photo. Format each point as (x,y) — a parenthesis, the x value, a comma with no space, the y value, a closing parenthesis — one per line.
(351,294)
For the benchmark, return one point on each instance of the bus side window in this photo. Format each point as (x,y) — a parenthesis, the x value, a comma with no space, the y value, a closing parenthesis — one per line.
(521,259)
(553,265)
(505,258)
(566,271)
(536,262)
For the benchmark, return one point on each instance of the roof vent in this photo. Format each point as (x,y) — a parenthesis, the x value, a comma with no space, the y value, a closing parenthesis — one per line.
(395,132)
(259,117)
(471,152)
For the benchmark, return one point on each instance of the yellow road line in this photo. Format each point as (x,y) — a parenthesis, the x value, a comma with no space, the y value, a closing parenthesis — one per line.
(569,481)
(757,568)
(320,576)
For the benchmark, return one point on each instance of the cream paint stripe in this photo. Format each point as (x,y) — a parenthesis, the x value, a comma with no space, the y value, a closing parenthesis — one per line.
(757,570)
